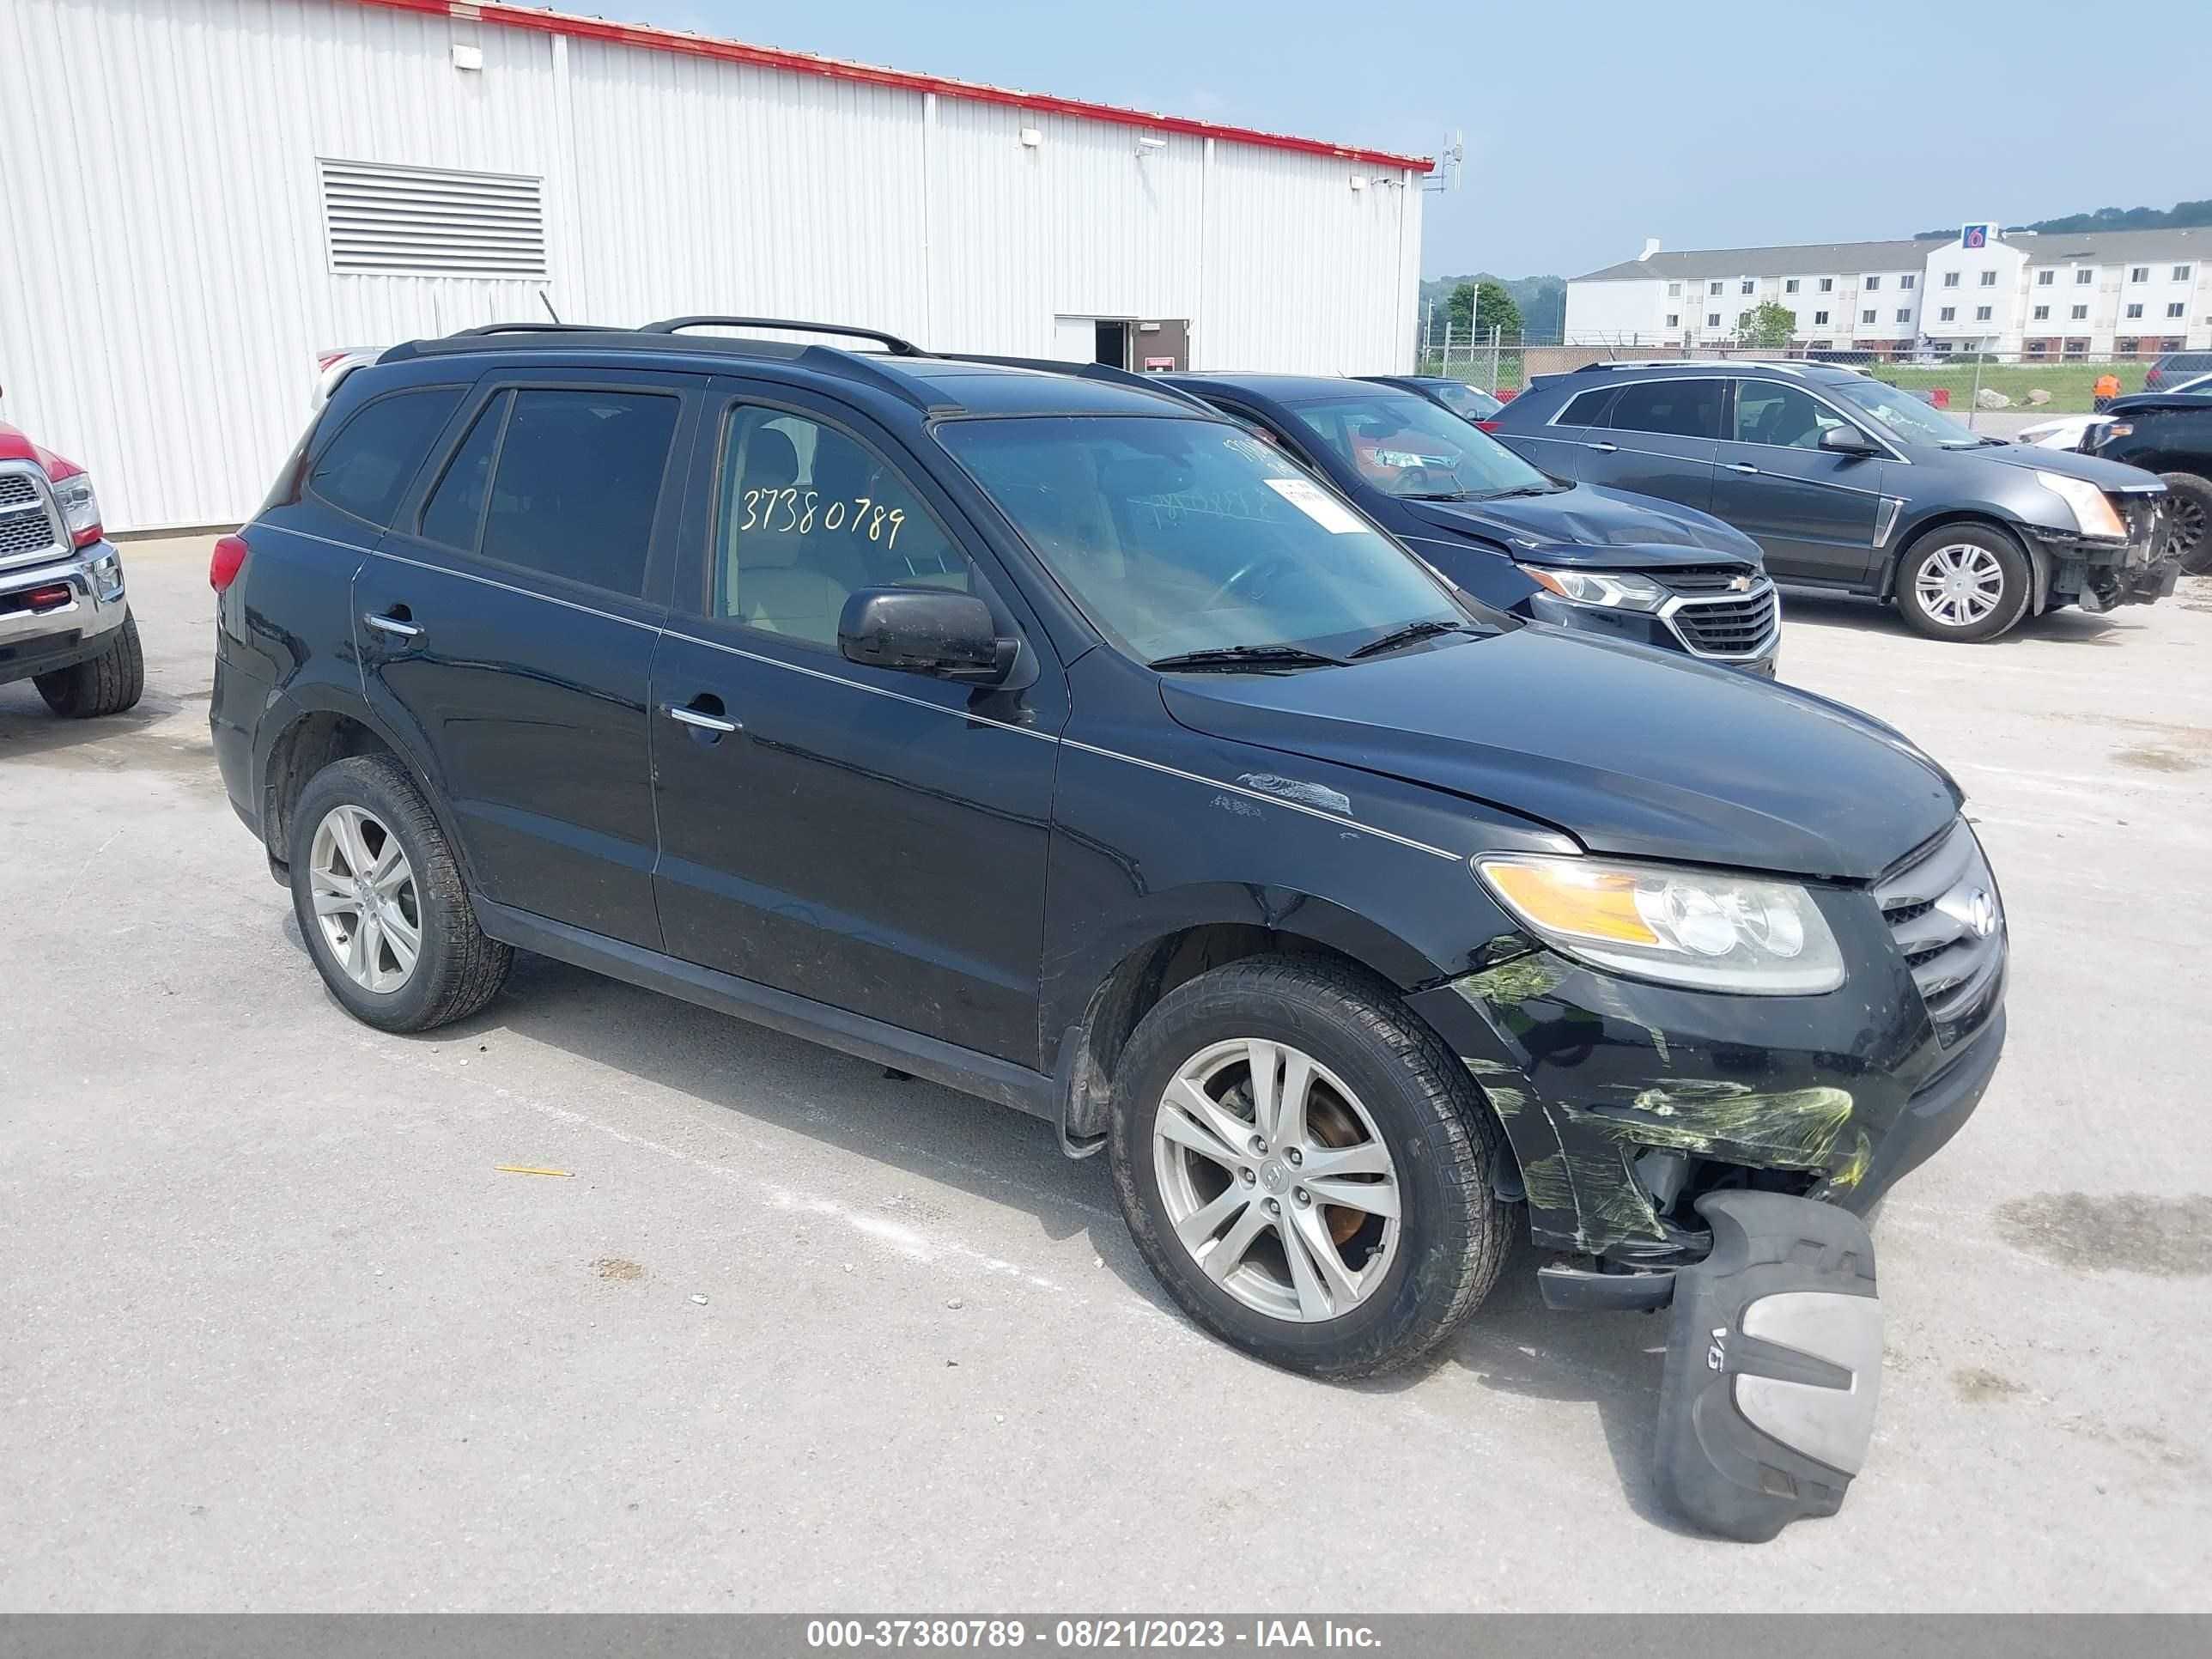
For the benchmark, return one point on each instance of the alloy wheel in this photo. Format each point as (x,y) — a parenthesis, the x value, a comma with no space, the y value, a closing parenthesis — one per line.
(365,898)
(1276,1179)
(1960,584)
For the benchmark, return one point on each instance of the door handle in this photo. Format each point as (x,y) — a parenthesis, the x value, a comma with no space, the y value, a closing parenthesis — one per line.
(398,627)
(1603,449)
(1741,466)
(700,718)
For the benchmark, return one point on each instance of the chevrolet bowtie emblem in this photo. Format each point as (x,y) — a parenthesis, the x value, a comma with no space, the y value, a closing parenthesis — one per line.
(1740,585)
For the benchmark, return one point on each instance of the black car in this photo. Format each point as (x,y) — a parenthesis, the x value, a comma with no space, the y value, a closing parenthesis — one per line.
(1853,486)
(2169,433)
(1469,402)
(1512,536)
(1049,736)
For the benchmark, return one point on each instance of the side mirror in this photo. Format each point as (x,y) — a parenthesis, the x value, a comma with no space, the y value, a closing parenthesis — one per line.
(1847,440)
(921,630)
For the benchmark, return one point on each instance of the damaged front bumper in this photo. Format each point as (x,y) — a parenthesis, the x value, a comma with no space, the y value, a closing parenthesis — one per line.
(1625,1102)
(2100,573)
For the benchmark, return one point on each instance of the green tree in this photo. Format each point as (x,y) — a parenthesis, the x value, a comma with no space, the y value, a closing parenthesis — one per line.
(1459,308)
(1494,309)
(1767,325)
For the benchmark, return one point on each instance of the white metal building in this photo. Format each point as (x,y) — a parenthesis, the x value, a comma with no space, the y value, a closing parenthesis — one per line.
(204,194)
(2053,295)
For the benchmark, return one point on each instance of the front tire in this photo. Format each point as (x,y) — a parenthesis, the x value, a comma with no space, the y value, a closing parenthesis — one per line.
(1967,581)
(106,684)
(2191,513)
(381,902)
(1306,1167)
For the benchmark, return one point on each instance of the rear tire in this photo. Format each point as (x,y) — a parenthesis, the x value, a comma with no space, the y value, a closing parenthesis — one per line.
(1388,1104)
(2192,521)
(1967,582)
(450,969)
(106,684)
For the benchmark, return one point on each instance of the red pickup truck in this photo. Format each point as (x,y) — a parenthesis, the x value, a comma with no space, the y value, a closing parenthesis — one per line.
(65,623)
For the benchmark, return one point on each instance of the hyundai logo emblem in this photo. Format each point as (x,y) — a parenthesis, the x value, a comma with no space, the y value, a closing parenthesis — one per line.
(1974,909)
(1982,911)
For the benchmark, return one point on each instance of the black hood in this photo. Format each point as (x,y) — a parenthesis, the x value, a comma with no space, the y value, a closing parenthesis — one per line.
(1586,525)
(1631,752)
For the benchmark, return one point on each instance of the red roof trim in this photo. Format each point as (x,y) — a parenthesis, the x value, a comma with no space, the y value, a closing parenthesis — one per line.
(801,63)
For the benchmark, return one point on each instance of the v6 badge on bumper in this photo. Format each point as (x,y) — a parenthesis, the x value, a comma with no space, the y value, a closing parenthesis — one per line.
(1773,1367)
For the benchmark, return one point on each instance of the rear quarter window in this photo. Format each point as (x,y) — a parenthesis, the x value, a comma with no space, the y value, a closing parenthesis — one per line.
(366,469)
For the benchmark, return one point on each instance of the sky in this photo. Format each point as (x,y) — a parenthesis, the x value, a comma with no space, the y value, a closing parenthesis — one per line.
(1589,125)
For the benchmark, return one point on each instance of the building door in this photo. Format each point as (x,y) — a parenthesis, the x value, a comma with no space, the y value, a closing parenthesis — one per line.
(1150,345)
(1162,344)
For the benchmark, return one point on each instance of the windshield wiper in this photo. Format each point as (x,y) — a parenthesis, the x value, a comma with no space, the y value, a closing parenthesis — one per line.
(1521,489)
(1248,656)
(1427,628)
(1441,495)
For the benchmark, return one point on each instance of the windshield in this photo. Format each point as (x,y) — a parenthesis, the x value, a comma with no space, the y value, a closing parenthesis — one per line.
(1403,444)
(1179,536)
(1464,399)
(1905,416)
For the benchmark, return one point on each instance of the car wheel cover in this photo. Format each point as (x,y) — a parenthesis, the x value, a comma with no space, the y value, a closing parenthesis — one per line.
(365,905)
(1276,1181)
(1960,584)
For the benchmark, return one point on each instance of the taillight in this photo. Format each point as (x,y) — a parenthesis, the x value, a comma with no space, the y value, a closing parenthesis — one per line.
(225,561)
(1487,426)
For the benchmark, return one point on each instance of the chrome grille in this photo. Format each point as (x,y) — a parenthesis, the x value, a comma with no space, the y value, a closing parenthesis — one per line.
(1941,908)
(26,531)
(1700,578)
(1736,625)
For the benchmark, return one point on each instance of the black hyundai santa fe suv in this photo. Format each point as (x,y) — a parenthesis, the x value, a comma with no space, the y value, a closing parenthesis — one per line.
(1050,737)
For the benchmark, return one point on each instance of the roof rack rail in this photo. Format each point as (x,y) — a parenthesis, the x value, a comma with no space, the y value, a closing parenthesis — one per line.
(530,328)
(892,342)
(1105,372)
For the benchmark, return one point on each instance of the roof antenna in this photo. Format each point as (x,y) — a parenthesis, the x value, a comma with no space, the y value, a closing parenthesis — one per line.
(548,304)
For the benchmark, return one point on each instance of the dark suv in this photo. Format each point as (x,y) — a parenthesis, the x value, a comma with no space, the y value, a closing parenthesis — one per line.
(1854,486)
(1052,737)
(2170,434)
(1513,537)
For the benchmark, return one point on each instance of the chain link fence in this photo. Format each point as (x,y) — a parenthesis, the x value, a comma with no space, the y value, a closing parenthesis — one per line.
(2056,377)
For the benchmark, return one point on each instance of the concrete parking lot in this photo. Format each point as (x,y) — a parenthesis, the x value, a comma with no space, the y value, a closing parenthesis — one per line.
(276,1331)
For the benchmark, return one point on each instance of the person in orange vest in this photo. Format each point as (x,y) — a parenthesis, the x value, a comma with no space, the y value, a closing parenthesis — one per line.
(2106,389)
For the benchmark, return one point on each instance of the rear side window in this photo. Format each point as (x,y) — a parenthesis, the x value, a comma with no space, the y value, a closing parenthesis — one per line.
(575,481)
(1674,409)
(367,468)
(1587,410)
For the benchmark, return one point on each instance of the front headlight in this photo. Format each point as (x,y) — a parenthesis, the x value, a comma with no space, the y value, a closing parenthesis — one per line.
(80,507)
(1713,931)
(2092,512)
(1609,590)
